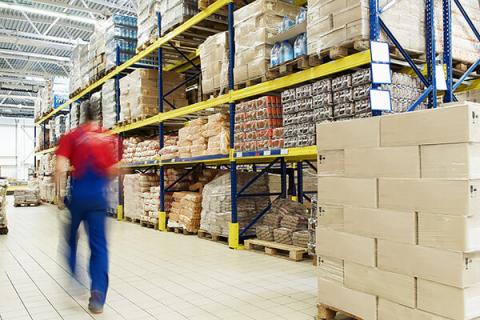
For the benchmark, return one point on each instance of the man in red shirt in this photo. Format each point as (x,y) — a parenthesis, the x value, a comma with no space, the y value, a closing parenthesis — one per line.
(93,156)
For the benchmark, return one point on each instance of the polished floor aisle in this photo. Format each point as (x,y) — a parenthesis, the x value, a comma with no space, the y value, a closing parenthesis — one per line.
(153,275)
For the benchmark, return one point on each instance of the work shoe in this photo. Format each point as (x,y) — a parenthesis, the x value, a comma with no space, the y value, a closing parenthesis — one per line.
(95,304)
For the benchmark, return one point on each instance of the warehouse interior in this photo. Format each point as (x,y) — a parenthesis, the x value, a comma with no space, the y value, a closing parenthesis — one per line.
(239,159)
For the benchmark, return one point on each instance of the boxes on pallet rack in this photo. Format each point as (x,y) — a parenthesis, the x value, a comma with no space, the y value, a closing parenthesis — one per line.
(258,124)
(47,189)
(397,228)
(74,115)
(332,24)
(121,33)
(109,104)
(138,149)
(28,196)
(214,63)
(139,93)
(134,186)
(96,52)
(216,203)
(79,52)
(151,205)
(255,24)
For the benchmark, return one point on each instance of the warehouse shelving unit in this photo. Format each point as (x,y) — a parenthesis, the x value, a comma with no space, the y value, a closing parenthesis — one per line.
(285,160)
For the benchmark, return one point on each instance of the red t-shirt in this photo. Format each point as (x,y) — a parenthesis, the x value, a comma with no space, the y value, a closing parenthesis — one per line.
(88,145)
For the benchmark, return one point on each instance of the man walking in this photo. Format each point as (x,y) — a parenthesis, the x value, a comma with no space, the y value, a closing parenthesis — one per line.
(93,156)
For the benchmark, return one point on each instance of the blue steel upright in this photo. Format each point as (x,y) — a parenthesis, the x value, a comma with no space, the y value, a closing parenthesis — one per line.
(162,216)
(431,52)
(447,48)
(120,136)
(374,36)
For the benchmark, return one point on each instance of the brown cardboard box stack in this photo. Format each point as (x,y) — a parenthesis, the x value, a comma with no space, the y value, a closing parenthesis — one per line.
(134,185)
(214,62)
(464,45)
(139,93)
(332,23)
(185,211)
(398,227)
(255,24)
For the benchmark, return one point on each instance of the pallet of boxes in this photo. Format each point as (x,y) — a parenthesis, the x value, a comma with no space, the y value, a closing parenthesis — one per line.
(3,206)
(398,215)
(29,196)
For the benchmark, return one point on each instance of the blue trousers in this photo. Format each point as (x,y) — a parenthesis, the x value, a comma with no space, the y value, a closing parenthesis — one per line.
(89,207)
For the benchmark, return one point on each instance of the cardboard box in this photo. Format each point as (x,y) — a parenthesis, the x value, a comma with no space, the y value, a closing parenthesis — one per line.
(449,232)
(330,217)
(450,124)
(381,223)
(358,133)
(451,197)
(447,267)
(398,162)
(447,301)
(388,310)
(346,246)
(451,161)
(331,269)
(348,191)
(354,302)
(392,286)
(331,163)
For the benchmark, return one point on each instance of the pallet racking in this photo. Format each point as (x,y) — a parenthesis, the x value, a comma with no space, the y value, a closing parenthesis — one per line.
(289,162)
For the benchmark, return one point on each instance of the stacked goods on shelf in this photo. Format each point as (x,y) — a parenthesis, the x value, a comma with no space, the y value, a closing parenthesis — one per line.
(258,124)
(52,136)
(134,186)
(404,91)
(74,115)
(81,111)
(139,149)
(95,103)
(60,126)
(285,222)
(78,75)
(312,225)
(173,13)
(47,189)
(151,205)
(255,24)
(112,195)
(214,63)
(470,95)
(121,33)
(397,232)
(96,52)
(294,47)
(27,196)
(332,24)
(187,205)
(44,103)
(170,148)
(172,176)
(139,93)
(109,104)
(46,164)
(216,203)
(200,137)
(465,47)
(3,206)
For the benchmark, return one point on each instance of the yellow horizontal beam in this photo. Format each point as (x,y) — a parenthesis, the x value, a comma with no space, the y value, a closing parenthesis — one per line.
(300,2)
(45,151)
(293,155)
(217,5)
(323,70)
(475,85)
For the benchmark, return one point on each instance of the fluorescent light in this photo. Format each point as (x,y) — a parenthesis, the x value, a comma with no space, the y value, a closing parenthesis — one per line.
(49,13)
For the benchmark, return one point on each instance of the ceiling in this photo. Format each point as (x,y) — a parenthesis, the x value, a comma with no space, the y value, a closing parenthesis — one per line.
(37,38)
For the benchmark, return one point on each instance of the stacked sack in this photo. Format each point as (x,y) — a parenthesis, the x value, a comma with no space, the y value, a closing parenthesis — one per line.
(74,115)
(139,149)
(255,24)
(217,133)
(397,232)
(285,222)
(187,205)
(217,206)
(151,205)
(3,203)
(134,185)
(258,124)
(170,148)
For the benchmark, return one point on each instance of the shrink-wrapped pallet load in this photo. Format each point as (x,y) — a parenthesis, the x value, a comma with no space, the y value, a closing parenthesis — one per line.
(214,63)
(120,34)
(255,24)
(134,185)
(217,134)
(109,104)
(397,231)
(27,196)
(186,209)
(216,203)
(3,206)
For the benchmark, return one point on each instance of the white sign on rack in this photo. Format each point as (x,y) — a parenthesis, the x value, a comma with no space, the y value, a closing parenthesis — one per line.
(380,100)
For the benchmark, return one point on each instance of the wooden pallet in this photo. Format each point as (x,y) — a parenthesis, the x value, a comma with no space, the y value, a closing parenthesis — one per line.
(181,230)
(133,220)
(342,50)
(212,236)
(325,312)
(289,67)
(26,204)
(148,224)
(251,82)
(276,249)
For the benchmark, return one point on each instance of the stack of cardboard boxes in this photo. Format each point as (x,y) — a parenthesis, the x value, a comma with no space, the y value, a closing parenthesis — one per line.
(254,25)
(134,186)
(398,228)
(214,63)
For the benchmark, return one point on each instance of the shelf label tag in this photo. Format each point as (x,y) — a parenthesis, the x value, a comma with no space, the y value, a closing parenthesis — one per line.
(380,100)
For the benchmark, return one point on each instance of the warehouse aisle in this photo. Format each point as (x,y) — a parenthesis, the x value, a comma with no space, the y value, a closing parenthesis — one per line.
(153,275)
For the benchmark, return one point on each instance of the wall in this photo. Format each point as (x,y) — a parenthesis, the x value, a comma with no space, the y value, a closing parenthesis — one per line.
(16,147)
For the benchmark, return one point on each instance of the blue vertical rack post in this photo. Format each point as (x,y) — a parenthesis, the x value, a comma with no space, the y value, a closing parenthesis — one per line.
(233,228)
(377,24)
(162,215)
(448,47)
(120,136)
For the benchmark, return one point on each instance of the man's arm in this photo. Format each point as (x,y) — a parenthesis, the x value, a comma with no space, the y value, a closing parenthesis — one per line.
(61,167)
